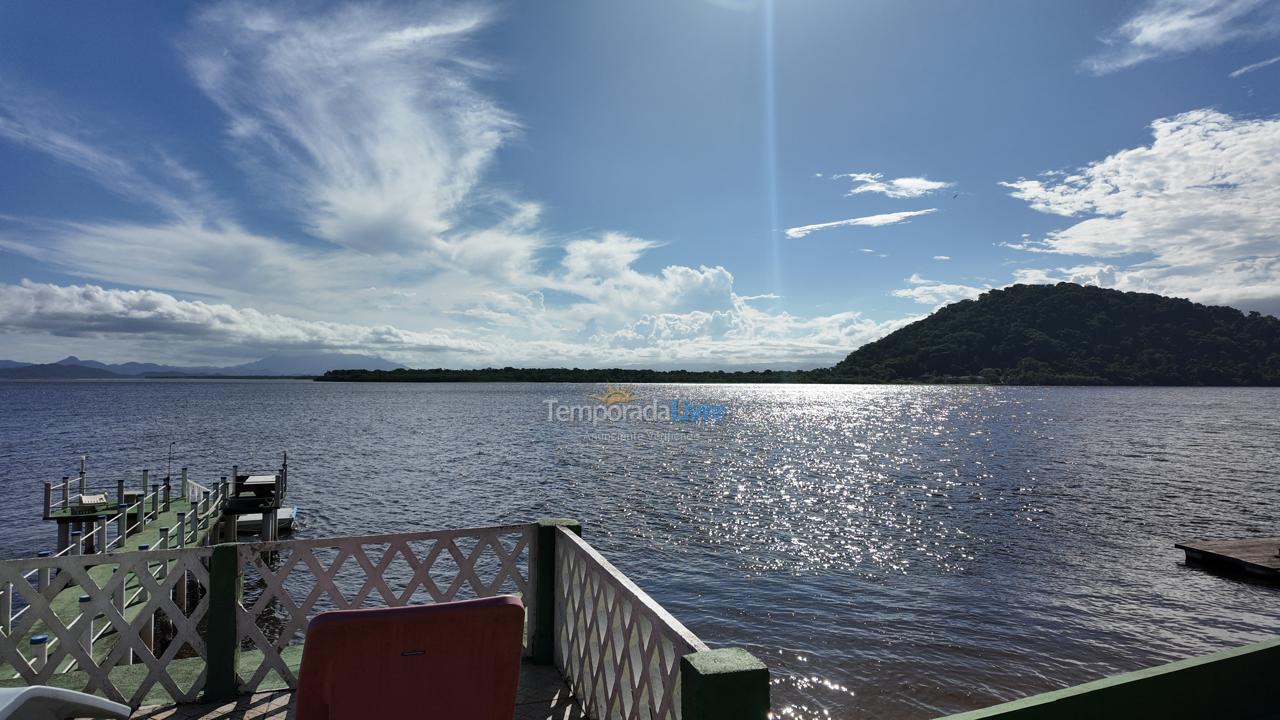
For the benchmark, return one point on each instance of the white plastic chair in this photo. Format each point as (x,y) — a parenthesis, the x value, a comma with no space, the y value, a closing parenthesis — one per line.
(41,702)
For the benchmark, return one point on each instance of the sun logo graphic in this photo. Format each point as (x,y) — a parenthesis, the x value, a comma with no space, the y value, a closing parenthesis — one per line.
(615,395)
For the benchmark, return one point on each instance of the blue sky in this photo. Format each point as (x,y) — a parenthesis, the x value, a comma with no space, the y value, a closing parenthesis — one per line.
(729,183)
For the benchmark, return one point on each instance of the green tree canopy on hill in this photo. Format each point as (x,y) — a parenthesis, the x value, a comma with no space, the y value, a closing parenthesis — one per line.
(1073,334)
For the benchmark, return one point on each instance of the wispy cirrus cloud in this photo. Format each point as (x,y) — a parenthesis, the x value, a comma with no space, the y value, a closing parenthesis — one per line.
(1163,28)
(365,119)
(1254,66)
(903,187)
(864,221)
(1195,214)
(366,126)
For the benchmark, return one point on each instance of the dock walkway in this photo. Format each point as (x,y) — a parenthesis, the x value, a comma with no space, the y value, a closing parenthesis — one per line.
(1258,557)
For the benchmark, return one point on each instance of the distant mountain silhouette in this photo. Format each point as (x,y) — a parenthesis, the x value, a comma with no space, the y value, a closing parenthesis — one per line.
(1073,334)
(55,371)
(72,367)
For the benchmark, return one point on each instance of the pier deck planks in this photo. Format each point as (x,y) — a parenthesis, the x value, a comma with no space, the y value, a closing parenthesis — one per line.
(1258,556)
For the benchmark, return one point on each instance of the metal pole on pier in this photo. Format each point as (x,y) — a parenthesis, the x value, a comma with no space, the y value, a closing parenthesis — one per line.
(85,622)
(101,542)
(147,633)
(180,590)
(155,500)
(39,651)
(122,527)
(82,475)
(66,492)
(48,498)
(44,574)
(120,490)
(168,494)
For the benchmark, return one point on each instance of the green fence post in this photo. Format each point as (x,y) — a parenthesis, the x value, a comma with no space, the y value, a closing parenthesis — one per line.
(724,684)
(225,585)
(544,625)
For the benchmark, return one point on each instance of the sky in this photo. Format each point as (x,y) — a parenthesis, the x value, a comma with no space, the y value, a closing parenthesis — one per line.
(678,183)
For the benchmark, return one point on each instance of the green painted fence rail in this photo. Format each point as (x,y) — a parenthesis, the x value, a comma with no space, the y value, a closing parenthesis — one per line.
(1235,683)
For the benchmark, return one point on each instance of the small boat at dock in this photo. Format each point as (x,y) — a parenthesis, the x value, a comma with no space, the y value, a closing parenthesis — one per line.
(251,524)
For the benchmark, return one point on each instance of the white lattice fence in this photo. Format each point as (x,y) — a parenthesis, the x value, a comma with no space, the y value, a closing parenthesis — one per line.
(617,648)
(289,582)
(100,614)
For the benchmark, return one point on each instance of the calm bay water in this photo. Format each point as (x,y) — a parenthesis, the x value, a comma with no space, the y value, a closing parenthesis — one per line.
(895,552)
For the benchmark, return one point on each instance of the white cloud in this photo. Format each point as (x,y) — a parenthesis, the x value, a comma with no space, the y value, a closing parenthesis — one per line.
(866,221)
(941,257)
(1195,214)
(1254,66)
(367,125)
(933,292)
(903,187)
(89,310)
(1173,27)
(365,119)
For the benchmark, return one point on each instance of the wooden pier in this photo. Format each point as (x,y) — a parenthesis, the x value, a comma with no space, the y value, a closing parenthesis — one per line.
(165,514)
(1257,557)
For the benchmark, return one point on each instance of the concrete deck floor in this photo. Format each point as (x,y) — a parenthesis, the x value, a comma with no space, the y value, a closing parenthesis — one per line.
(542,696)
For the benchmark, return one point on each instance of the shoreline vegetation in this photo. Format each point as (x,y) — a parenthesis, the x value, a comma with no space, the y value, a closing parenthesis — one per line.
(1064,334)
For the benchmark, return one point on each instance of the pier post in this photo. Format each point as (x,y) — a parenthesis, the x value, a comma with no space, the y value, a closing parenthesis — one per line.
(186,488)
(121,591)
(48,499)
(544,626)
(39,651)
(66,492)
(85,622)
(723,684)
(168,495)
(155,500)
(162,570)
(102,534)
(120,491)
(64,535)
(268,531)
(146,480)
(146,633)
(45,574)
(204,510)
(122,522)
(223,644)
(82,475)
(77,542)
(182,529)
(6,607)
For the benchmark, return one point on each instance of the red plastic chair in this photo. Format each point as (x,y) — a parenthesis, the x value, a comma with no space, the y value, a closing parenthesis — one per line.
(453,661)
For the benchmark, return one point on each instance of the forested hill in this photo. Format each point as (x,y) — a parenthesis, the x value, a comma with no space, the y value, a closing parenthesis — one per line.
(1072,334)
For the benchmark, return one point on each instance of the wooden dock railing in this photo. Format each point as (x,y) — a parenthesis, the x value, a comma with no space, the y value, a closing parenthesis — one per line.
(220,621)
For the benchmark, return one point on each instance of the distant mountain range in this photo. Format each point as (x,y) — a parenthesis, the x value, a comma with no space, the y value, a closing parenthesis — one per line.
(73,368)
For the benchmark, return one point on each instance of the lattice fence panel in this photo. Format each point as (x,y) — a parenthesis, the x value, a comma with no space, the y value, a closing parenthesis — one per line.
(101,634)
(289,582)
(618,650)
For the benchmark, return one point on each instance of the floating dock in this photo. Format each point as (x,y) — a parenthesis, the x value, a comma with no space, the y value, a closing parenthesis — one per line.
(1258,557)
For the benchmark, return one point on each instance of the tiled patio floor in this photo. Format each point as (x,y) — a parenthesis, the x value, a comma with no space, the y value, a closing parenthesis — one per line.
(542,696)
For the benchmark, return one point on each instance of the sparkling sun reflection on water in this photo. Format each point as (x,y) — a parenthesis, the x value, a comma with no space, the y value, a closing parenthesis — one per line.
(896,552)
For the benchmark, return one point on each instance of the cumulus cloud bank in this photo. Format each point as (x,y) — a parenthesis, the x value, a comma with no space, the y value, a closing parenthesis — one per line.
(1194,214)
